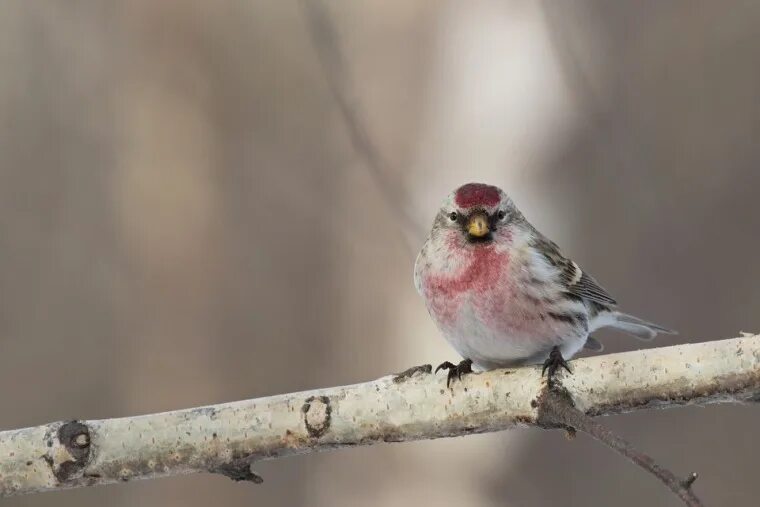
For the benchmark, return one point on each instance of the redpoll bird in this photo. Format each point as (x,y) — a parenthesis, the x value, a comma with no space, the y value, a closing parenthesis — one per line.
(503,295)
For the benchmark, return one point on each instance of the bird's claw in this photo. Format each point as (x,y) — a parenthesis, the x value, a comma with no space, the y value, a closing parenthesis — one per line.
(410,372)
(554,362)
(455,370)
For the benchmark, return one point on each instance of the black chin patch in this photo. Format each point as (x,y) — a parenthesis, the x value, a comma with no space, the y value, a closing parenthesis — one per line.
(487,238)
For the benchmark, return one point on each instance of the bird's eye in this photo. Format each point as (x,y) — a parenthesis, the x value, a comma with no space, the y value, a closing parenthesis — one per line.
(453,216)
(501,214)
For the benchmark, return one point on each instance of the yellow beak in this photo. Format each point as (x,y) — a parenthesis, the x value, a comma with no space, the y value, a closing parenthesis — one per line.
(478,225)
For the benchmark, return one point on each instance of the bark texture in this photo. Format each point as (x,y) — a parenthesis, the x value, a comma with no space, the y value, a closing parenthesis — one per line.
(229,437)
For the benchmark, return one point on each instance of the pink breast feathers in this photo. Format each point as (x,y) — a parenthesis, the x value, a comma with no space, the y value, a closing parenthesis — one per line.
(480,282)
(476,194)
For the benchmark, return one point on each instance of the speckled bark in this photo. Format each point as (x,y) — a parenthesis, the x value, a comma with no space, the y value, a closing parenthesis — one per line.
(227,438)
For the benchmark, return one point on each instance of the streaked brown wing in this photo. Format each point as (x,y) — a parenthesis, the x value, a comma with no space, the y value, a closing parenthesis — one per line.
(571,275)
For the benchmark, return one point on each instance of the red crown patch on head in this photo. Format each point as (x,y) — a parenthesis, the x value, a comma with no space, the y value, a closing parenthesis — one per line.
(477,194)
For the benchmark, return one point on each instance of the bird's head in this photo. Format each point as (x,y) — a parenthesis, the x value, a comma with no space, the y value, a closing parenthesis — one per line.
(476,213)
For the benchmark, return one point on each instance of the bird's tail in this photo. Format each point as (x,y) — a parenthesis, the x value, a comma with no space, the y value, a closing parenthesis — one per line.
(637,327)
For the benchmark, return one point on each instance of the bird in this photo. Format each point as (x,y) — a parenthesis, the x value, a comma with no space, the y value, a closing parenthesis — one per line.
(503,295)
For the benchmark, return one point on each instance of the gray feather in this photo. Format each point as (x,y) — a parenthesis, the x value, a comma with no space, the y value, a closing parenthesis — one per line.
(639,328)
(593,344)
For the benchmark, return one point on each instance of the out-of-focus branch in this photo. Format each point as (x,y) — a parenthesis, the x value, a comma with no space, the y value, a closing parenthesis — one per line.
(326,42)
(229,437)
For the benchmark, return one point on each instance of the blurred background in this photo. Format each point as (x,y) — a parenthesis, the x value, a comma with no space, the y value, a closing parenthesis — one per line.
(187,217)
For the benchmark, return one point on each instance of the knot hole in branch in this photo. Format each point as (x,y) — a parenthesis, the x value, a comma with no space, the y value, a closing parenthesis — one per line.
(316,415)
(70,454)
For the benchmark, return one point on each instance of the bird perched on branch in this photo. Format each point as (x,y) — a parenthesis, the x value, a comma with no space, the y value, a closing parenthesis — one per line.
(503,295)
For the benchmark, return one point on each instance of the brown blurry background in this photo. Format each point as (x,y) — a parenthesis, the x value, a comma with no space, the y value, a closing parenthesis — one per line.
(184,220)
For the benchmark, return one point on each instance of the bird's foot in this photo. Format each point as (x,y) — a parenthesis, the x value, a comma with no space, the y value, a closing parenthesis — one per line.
(409,373)
(455,370)
(554,362)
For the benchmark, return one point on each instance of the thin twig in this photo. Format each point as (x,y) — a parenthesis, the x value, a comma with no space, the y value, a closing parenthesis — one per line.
(557,410)
(326,42)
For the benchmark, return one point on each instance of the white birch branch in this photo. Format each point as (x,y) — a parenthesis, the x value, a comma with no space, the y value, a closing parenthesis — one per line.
(227,438)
